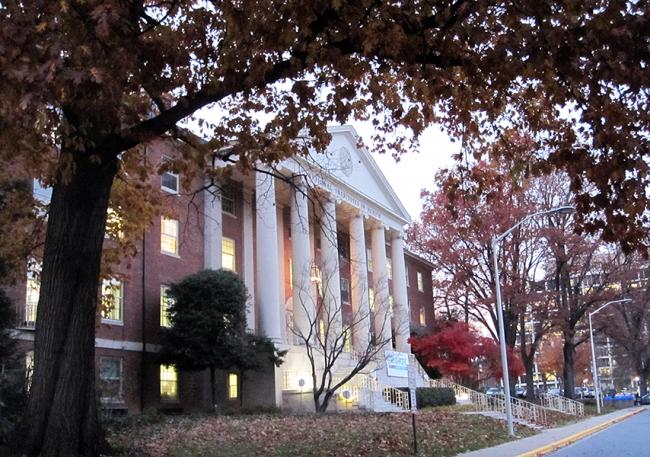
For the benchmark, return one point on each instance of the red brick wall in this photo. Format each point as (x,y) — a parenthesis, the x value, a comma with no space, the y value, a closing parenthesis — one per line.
(420,298)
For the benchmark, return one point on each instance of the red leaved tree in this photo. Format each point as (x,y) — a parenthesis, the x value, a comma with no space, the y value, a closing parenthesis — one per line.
(461,353)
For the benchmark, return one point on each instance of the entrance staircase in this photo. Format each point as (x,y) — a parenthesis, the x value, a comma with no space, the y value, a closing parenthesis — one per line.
(523,412)
(368,393)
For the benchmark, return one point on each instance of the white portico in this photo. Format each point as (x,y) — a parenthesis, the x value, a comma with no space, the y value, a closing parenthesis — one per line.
(331,229)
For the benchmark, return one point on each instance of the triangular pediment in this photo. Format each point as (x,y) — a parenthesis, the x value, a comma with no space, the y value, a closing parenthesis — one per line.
(353,167)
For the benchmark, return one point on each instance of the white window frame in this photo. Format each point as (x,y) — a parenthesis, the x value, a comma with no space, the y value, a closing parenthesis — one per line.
(420,281)
(119,285)
(228,194)
(423,316)
(233,387)
(369,259)
(173,175)
(165,302)
(165,382)
(32,292)
(389,267)
(120,378)
(163,234)
(224,255)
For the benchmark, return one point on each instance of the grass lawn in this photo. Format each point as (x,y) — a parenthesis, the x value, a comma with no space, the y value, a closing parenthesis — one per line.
(441,432)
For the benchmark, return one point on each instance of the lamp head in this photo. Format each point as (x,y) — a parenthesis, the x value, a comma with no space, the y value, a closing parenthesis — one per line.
(563,210)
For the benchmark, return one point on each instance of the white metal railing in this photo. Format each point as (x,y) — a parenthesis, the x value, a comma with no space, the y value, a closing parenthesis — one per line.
(396,397)
(521,409)
(562,404)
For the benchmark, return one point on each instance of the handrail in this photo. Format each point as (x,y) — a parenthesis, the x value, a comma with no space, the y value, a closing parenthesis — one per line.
(521,409)
(562,404)
(396,397)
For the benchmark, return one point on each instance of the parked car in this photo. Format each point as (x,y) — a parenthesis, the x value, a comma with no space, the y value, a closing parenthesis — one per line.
(554,391)
(589,392)
(494,391)
(645,400)
(520,392)
(579,392)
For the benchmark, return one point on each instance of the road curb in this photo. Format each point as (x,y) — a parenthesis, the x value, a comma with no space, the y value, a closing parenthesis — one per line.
(578,436)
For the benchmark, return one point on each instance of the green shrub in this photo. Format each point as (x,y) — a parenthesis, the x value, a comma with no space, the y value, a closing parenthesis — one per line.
(434,396)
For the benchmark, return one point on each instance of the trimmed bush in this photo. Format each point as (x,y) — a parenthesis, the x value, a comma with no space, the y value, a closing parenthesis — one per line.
(434,396)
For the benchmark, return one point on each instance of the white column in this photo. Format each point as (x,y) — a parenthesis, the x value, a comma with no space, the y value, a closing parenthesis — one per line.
(267,257)
(400,295)
(330,273)
(383,321)
(359,284)
(249,256)
(303,300)
(281,298)
(212,229)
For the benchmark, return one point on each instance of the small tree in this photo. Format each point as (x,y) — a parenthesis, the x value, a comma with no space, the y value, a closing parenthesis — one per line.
(208,326)
(327,337)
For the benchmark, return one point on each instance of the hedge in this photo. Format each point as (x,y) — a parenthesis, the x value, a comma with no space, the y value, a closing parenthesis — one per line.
(434,396)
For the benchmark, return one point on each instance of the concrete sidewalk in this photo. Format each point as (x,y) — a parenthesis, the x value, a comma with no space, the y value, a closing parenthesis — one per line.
(546,437)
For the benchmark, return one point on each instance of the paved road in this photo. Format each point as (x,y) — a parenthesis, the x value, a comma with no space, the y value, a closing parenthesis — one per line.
(629,438)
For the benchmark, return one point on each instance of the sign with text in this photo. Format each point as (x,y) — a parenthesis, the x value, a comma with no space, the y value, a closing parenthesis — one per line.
(397,364)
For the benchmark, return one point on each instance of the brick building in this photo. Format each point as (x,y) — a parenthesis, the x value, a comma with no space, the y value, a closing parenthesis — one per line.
(339,220)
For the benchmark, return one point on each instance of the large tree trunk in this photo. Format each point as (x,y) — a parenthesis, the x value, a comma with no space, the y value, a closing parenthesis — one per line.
(529,365)
(568,372)
(61,418)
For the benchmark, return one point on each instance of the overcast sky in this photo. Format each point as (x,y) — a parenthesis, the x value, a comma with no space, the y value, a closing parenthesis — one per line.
(414,171)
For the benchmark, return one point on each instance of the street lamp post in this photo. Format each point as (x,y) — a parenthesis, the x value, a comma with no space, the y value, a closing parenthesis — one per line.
(593,350)
(502,333)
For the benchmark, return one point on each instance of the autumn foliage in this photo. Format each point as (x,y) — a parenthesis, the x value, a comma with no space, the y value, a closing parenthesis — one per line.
(460,352)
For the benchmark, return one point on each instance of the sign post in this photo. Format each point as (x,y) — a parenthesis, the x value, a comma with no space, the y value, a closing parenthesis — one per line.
(414,404)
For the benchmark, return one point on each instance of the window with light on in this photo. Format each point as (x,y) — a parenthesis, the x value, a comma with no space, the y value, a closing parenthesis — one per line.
(165,302)
(169,236)
(233,385)
(112,300)
(228,254)
(168,383)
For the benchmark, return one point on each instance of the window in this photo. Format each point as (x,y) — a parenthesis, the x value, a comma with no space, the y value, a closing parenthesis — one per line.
(344,246)
(169,236)
(228,200)
(168,383)
(408,280)
(369,259)
(110,379)
(347,339)
(169,180)
(233,386)
(371,298)
(345,290)
(423,316)
(228,254)
(165,302)
(391,304)
(389,267)
(112,300)
(290,274)
(321,329)
(420,281)
(114,225)
(31,298)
